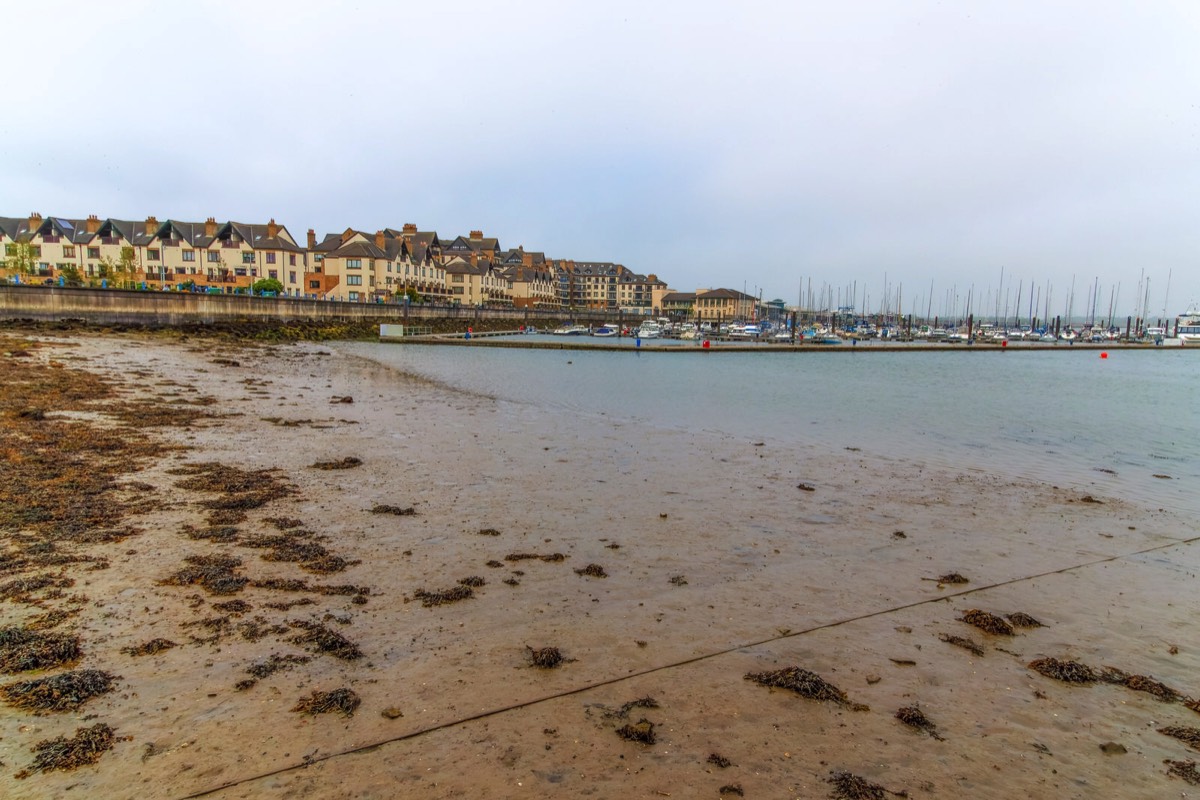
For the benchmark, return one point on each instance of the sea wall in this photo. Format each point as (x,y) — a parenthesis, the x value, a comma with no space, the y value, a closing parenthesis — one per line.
(122,307)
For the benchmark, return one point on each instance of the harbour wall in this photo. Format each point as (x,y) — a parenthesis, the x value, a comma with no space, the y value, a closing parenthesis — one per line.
(124,307)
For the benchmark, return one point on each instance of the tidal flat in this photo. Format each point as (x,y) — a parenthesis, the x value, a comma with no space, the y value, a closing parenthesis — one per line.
(287,570)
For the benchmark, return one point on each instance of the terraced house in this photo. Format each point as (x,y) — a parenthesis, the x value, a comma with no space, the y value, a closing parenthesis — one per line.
(351,266)
(356,267)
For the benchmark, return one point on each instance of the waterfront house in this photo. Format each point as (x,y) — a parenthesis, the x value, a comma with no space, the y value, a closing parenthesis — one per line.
(678,305)
(531,279)
(724,305)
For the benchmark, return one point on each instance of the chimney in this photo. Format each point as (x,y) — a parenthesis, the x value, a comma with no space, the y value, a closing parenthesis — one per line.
(312,239)
(476,235)
(151,225)
(210,227)
(35,222)
(410,228)
(379,239)
(272,229)
(93,223)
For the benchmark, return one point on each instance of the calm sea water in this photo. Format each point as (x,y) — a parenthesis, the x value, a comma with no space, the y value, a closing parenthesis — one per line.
(1069,418)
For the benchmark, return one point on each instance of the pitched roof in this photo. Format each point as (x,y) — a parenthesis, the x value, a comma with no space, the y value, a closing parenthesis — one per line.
(358,249)
(255,235)
(679,297)
(190,232)
(725,294)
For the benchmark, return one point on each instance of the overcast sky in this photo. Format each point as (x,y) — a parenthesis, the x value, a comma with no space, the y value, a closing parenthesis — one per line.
(755,145)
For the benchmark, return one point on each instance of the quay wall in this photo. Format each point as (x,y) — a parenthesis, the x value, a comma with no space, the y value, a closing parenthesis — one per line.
(125,307)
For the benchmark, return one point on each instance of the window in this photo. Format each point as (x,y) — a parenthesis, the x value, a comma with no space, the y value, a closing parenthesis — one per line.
(247,258)
(314,284)
(456,278)
(35,250)
(94,252)
(291,277)
(270,258)
(213,256)
(188,255)
(68,251)
(354,280)
(354,297)
(318,258)
(273,274)
(292,260)
(152,254)
(353,263)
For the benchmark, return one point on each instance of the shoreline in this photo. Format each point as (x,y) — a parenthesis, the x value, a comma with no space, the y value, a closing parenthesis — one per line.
(771,576)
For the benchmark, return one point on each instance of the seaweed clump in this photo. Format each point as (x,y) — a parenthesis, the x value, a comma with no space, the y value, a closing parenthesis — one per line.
(22,650)
(958,641)
(349,462)
(1189,736)
(473,580)
(214,573)
(319,639)
(988,623)
(847,786)
(1022,620)
(1183,769)
(551,557)
(65,692)
(545,657)
(1141,683)
(445,596)
(152,647)
(802,682)
(343,701)
(61,753)
(914,717)
(953,578)
(1066,671)
(641,732)
(718,760)
(399,511)
(593,571)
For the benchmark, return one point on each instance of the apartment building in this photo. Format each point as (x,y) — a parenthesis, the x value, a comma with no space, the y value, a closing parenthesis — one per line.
(531,279)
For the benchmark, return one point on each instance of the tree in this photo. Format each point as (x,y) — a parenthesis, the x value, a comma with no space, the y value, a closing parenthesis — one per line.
(411,294)
(71,276)
(267,285)
(127,265)
(19,258)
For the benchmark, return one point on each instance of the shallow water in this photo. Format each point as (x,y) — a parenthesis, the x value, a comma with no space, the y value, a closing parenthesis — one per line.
(1104,425)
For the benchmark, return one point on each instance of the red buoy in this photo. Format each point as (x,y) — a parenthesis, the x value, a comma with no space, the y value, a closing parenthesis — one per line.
(1104,355)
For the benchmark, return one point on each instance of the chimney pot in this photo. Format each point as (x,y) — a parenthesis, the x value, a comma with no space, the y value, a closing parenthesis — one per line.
(93,223)
(476,235)
(379,239)
(272,229)
(410,227)
(210,227)
(151,226)
(312,239)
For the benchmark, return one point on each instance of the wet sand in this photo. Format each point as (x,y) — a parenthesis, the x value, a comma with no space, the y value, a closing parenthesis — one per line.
(718,565)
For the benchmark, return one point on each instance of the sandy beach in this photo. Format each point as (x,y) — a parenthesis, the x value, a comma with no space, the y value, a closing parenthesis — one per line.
(353,528)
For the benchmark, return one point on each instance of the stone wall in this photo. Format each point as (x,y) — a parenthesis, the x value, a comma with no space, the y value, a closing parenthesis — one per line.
(122,307)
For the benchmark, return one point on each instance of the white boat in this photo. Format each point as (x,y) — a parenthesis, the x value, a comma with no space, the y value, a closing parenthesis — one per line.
(1187,327)
(750,331)
(1048,337)
(649,330)
(606,330)
(571,330)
